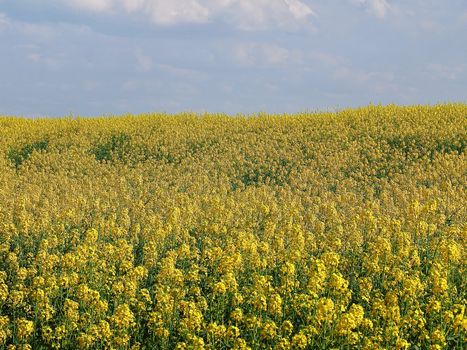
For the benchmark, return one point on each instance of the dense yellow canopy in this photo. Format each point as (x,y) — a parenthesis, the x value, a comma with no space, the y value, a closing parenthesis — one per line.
(313,230)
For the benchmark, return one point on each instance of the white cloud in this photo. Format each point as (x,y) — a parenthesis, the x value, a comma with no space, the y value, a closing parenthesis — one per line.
(39,58)
(133,5)
(449,72)
(378,8)
(260,14)
(463,17)
(4,21)
(245,14)
(361,77)
(177,11)
(326,59)
(49,32)
(92,5)
(143,61)
(264,55)
(180,72)
(298,8)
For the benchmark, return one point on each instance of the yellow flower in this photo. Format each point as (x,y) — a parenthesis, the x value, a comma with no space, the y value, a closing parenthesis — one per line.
(342,230)
(325,310)
(220,288)
(70,309)
(438,337)
(282,344)
(299,341)
(287,327)
(233,332)
(91,236)
(240,344)
(104,330)
(24,329)
(351,320)
(237,315)
(4,329)
(123,317)
(259,302)
(121,340)
(3,292)
(85,341)
(338,283)
(196,343)
(433,306)
(215,330)
(16,297)
(402,344)
(275,304)
(330,259)
(192,317)
(269,331)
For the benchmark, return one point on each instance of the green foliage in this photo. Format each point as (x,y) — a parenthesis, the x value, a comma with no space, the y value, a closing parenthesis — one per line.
(18,156)
(114,148)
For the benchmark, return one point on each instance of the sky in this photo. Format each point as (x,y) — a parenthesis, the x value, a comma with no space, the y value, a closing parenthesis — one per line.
(107,57)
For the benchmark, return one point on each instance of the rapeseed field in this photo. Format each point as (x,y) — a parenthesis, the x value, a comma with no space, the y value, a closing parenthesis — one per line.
(342,230)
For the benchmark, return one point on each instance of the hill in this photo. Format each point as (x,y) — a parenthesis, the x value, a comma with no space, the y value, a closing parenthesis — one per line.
(308,231)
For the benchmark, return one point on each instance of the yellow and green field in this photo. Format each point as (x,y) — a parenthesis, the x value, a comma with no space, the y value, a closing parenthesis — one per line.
(341,230)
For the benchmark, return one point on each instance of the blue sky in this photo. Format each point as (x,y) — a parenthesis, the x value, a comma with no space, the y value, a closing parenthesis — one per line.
(94,57)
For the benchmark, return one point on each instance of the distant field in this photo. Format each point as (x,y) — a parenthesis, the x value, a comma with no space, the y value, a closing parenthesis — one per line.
(311,231)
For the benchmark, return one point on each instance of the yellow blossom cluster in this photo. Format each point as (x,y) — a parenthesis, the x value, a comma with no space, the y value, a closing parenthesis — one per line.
(309,231)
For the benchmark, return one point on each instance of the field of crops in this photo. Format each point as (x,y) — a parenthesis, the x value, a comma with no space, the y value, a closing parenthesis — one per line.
(338,230)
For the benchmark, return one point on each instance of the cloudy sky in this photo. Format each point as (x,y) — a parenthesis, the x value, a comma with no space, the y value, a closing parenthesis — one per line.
(92,57)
